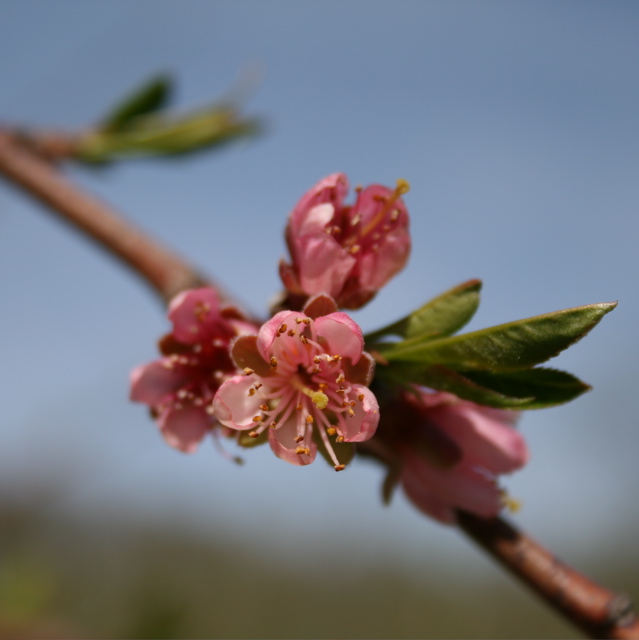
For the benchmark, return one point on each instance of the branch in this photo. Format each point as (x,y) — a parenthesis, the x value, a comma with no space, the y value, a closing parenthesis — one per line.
(598,612)
(163,270)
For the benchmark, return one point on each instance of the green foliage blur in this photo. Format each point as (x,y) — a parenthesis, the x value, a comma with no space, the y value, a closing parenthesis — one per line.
(112,576)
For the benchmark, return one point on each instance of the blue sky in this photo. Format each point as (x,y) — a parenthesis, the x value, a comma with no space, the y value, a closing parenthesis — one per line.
(516,125)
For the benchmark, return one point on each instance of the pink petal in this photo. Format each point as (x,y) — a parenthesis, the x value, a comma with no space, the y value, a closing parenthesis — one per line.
(363,424)
(150,383)
(283,444)
(462,487)
(195,315)
(184,428)
(323,264)
(342,335)
(234,407)
(332,189)
(423,499)
(269,331)
(485,441)
(316,219)
(376,268)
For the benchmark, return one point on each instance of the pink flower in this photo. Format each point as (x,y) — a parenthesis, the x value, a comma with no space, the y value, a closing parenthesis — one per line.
(346,251)
(453,453)
(180,386)
(303,374)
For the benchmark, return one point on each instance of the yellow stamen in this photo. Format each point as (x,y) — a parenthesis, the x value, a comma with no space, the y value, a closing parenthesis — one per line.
(340,467)
(401,188)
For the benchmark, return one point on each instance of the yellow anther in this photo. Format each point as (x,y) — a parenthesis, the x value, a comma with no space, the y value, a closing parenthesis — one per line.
(299,407)
(306,321)
(252,391)
(331,431)
(291,332)
(360,397)
(340,378)
(354,249)
(253,434)
(248,371)
(309,419)
(257,418)
(339,439)
(273,425)
(299,439)
(402,186)
(320,399)
(304,339)
(298,320)
(257,385)
(350,412)
(340,467)
(264,407)
(282,328)
(273,362)
(303,451)
(509,502)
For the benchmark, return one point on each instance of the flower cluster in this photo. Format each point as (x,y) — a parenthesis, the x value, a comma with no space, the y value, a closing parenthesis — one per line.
(348,252)
(301,381)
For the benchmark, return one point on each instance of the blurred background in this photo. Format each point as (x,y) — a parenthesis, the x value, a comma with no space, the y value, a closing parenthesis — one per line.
(516,125)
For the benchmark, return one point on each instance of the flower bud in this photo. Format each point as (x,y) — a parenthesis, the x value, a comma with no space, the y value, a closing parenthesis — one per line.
(346,251)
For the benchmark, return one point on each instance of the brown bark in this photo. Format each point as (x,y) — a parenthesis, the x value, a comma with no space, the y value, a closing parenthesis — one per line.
(598,612)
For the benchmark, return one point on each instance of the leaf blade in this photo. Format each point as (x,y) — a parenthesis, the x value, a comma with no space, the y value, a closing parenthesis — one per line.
(441,316)
(508,347)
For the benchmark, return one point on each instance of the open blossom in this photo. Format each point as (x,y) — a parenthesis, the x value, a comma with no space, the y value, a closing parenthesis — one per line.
(453,453)
(302,375)
(346,251)
(180,386)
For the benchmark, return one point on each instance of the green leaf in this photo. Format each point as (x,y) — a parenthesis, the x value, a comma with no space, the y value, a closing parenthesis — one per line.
(548,387)
(446,379)
(150,97)
(536,388)
(163,136)
(442,316)
(507,347)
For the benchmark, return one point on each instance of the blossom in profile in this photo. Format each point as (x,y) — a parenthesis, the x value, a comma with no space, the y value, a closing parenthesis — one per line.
(452,451)
(304,382)
(346,251)
(180,386)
